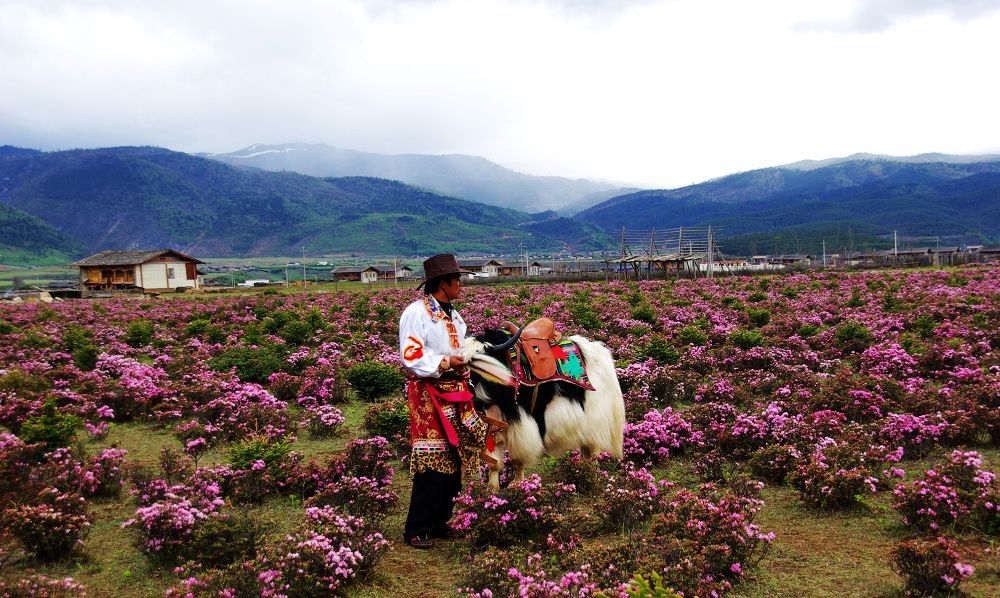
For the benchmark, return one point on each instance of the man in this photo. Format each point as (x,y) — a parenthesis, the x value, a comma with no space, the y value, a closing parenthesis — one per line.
(446,434)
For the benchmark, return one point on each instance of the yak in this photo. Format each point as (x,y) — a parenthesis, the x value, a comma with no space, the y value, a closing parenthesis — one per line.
(560,417)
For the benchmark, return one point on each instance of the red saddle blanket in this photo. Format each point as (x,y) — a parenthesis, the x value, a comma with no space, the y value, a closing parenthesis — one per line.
(570,366)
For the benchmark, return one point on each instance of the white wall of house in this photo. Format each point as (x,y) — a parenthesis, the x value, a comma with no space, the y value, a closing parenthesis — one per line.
(157,275)
(369,276)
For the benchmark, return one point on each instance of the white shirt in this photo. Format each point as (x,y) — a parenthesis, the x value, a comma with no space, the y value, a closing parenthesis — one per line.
(424,339)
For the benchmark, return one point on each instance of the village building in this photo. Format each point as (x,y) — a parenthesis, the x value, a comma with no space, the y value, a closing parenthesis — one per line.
(481,267)
(369,274)
(157,270)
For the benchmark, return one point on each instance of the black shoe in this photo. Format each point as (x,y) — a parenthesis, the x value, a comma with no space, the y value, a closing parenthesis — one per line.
(421,542)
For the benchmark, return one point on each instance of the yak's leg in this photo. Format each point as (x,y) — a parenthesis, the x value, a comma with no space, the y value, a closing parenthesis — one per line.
(518,472)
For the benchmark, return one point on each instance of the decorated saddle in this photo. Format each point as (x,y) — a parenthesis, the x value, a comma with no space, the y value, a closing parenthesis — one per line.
(563,362)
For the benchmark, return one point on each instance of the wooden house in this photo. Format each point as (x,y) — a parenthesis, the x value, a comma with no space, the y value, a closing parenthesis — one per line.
(481,267)
(156,270)
(355,274)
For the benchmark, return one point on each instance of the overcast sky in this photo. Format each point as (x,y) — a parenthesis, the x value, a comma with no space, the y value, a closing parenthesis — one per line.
(650,92)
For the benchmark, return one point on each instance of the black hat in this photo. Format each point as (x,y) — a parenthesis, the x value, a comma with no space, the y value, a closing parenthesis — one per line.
(439,265)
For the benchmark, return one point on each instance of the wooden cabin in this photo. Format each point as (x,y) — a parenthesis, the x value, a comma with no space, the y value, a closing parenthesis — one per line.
(156,270)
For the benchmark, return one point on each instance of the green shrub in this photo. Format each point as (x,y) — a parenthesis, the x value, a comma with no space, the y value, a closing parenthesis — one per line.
(746,339)
(314,318)
(34,339)
(50,427)
(85,357)
(660,350)
(583,311)
(756,297)
(654,588)
(732,302)
(388,419)
(807,330)
(692,335)
(197,327)
(855,300)
(924,326)
(759,317)
(20,383)
(272,451)
(221,541)
(7,328)
(644,312)
(853,336)
(139,333)
(296,332)
(75,337)
(790,293)
(373,379)
(252,365)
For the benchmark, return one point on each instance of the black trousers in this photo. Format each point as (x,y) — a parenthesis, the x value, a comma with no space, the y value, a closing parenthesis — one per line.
(431,503)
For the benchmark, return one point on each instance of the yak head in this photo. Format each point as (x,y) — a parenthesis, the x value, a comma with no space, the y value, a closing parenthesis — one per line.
(486,355)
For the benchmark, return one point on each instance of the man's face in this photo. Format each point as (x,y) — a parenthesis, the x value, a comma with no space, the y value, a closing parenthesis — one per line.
(452,288)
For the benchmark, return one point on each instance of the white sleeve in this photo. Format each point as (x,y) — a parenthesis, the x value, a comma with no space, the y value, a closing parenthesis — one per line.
(413,351)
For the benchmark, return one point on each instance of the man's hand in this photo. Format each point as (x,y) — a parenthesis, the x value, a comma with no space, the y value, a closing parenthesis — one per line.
(456,362)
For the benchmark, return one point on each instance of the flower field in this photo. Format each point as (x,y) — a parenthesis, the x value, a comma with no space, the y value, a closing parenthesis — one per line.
(818,434)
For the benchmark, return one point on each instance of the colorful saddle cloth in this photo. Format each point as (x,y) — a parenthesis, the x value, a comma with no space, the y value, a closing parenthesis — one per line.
(570,366)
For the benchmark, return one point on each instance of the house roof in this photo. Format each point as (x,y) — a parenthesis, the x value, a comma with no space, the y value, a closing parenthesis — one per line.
(477,263)
(130,258)
(350,269)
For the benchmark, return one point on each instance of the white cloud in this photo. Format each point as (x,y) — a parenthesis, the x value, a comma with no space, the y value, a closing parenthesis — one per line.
(663,93)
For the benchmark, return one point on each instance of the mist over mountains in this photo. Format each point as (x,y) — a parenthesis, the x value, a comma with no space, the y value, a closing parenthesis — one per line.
(457,175)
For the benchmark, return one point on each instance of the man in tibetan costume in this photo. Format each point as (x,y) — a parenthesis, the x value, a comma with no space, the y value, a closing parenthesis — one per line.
(446,434)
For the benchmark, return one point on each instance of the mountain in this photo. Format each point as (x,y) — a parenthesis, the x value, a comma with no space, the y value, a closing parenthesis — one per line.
(917,159)
(25,239)
(456,175)
(116,198)
(917,198)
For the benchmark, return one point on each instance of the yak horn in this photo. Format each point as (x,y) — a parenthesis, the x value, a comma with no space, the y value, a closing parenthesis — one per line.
(510,327)
(509,342)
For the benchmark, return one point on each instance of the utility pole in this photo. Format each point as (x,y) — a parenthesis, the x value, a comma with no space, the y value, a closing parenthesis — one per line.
(895,244)
(286,275)
(824,253)
(710,254)
(304,280)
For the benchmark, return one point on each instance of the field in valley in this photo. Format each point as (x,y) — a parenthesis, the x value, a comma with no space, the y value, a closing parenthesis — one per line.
(821,434)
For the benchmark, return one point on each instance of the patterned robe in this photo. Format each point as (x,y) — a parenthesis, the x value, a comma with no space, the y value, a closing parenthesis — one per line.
(445,431)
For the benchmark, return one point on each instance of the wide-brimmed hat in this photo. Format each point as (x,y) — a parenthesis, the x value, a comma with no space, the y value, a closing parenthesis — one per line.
(440,265)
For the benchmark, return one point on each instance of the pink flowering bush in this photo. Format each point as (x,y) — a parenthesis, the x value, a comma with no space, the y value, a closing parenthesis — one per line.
(323,421)
(955,492)
(929,567)
(659,434)
(167,517)
(837,474)
(51,528)
(519,513)
(706,540)
(630,498)
(917,434)
(330,551)
(40,586)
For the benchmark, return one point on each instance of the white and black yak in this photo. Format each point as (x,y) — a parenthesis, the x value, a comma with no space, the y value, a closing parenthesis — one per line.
(565,416)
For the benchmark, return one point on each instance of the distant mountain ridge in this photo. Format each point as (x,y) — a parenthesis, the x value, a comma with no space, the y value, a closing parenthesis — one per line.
(457,175)
(916,159)
(117,198)
(917,197)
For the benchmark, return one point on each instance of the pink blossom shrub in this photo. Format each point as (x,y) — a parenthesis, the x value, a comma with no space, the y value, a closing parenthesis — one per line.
(659,434)
(520,513)
(706,540)
(51,528)
(630,498)
(323,421)
(929,567)
(167,516)
(331,550)
(954,493)
(837,474)
(40,586)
